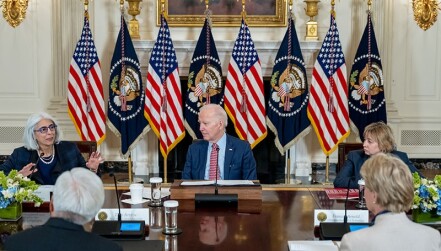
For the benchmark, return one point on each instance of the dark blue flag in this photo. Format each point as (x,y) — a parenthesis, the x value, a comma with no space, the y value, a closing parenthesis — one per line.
(367,103)
(126,94)
(204,80)
(288,100)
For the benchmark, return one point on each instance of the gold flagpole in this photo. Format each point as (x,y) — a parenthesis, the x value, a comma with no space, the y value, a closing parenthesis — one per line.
(130,168)
(165,158)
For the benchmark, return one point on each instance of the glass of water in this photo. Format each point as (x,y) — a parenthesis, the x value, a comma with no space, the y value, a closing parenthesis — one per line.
(171,217)
(155,183)
(361,200)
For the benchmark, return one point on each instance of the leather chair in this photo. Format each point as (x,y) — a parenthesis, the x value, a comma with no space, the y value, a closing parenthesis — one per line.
(343,150)
(86,148)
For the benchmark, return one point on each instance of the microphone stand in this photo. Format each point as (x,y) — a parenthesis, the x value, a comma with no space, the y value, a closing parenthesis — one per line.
(216,200)
(345,218)
(35,165)
(117,197)
(336,230)
(114,229)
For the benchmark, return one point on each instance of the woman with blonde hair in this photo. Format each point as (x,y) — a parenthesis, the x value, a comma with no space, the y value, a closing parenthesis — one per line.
(378,138)
(389,194)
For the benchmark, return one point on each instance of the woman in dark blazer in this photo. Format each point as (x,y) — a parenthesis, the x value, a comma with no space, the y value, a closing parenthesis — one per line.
(44,157)
(378,138)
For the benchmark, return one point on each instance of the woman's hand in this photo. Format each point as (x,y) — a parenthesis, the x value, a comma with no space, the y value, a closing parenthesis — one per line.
(28,170)
(94,161)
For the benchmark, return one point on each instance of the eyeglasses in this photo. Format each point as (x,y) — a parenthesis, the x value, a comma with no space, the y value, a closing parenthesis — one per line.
(45,129)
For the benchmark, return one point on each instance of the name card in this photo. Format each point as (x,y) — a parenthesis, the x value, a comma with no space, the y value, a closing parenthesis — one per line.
(320,215)
(126,214)
(44,192)
(34,219)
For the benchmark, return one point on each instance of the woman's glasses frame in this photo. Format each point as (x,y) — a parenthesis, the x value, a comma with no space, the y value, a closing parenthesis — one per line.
(45,129)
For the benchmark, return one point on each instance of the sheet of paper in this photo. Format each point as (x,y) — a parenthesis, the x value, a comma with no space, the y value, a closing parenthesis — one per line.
(219,182)
(44,192)
(198,183)
(146,193)
(312,246)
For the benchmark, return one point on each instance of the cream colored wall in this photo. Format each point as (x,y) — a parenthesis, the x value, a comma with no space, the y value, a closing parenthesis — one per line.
(35,58)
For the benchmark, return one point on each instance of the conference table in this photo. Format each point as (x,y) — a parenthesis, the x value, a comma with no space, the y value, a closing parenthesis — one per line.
(283,214)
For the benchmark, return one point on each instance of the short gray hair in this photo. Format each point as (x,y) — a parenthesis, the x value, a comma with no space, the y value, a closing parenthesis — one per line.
(218,112)
(78,195)
(28,135)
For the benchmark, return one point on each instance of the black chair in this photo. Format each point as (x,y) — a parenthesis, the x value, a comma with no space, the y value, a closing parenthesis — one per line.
(343,150)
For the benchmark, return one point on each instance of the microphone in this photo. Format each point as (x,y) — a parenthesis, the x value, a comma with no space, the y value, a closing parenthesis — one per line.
(117,196)
(336,230)
(35,165)
(119,229)
(345,217)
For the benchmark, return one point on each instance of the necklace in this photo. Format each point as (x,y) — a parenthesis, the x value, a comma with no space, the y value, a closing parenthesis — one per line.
(47,160)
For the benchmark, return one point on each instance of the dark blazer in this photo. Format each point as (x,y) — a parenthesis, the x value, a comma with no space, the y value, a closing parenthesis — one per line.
(58,234)
(239,160)
(351,168)
(66,153)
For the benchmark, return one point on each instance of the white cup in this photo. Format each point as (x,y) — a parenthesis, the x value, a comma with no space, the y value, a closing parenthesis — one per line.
(136,192)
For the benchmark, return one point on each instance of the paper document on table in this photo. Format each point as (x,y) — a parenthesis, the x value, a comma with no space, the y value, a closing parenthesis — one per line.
(219,182)
(312,246)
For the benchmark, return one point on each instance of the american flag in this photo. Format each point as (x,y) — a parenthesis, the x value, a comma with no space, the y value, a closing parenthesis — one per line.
(328,104)
(163,105)
(244,93)
(85,90)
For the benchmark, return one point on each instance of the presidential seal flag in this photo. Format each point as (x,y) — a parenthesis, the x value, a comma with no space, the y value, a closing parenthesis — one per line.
(163,106)
(244,95)
(328,102)
(287,113)
(126,94)
(367,103)
(85,96)
(204,80)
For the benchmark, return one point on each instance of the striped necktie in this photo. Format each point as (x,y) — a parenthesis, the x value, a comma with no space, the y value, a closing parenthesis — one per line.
(213,162)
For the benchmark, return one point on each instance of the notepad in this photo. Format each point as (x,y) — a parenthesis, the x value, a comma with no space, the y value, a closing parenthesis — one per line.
(312,246)
(219,183)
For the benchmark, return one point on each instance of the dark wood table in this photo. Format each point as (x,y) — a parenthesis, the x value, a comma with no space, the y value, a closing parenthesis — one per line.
(284,214)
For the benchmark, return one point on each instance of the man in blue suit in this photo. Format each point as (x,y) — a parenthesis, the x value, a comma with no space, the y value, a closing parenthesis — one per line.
(235,158)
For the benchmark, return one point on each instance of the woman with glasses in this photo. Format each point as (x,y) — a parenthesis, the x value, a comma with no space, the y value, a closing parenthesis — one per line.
(44,157)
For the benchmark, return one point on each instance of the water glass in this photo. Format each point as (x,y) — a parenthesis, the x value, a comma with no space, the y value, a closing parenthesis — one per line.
(171,217)
(155,183)
(361,200)
(171,243)
(155,217)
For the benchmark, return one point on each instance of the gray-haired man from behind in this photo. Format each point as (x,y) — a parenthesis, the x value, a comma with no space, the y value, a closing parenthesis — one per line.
(78,196)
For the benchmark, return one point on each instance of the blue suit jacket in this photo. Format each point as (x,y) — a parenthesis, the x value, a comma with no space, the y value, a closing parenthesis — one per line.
(239,160)
(351,168)
(66,153)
